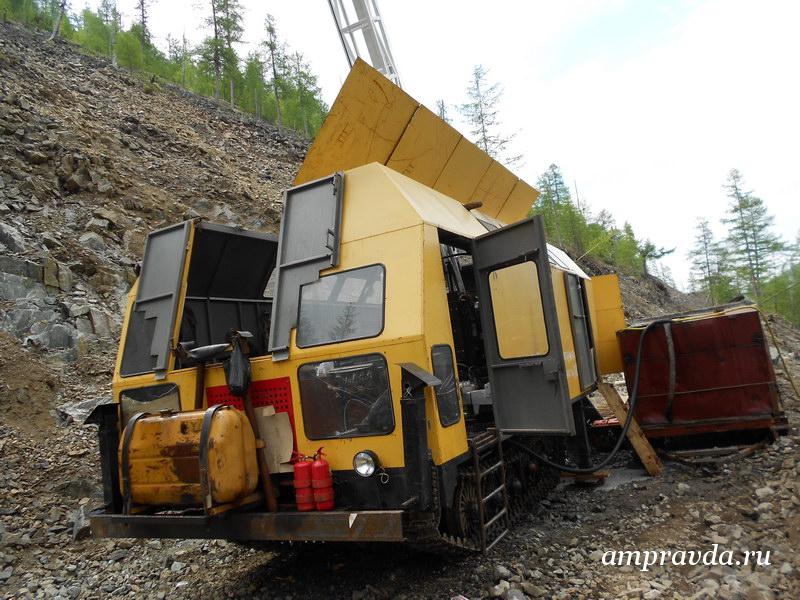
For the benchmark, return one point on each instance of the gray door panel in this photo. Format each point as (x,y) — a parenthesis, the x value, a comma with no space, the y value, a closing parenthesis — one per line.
(308,244)
(581,332)
(529,394)
(152,320)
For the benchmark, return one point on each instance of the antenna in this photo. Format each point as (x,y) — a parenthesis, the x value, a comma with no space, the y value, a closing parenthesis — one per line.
(363,36)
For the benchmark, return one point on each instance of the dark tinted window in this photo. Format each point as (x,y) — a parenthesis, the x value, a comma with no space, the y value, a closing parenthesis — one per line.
(347,397)
(446,394)
(340,307)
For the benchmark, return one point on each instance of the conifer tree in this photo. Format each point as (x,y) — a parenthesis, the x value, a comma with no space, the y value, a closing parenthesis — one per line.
(274,58)
(753,246)
(481,113)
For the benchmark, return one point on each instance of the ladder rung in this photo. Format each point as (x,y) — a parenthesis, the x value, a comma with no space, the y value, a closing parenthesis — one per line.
(497,539)
(494,467)
(495,518)
(494,493)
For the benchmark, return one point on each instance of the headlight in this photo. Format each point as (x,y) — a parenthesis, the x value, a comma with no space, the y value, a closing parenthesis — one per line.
(365,463)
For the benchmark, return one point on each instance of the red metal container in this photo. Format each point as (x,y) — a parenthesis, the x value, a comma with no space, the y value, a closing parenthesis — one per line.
(722,378)
(303,492)
(322,482)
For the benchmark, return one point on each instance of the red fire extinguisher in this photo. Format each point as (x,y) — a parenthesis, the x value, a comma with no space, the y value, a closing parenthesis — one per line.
(303,492)
(322,482)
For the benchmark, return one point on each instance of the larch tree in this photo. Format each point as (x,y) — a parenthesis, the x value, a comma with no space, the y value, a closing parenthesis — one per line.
(142,11)
(753,246)
(110,16)
(62,9)
(274,57)
(230,25)
(649,251)
(481,113)
(702,257)
(212,47)
(441,110)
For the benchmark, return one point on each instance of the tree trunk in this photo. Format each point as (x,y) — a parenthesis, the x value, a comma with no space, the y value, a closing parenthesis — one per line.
(217,66)
(233,104)
(57,26)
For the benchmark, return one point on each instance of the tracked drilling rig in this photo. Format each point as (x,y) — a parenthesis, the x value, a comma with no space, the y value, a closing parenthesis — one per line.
(409,319)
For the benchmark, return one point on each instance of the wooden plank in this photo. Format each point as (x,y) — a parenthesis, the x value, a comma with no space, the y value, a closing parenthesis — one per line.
(650,460)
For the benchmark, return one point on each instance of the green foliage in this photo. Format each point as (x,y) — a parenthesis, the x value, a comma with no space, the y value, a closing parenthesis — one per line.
(569,225)
(753,247)
(129,50)
(278,87)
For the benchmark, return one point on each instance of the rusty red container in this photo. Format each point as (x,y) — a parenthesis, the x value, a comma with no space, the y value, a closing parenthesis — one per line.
(723,377)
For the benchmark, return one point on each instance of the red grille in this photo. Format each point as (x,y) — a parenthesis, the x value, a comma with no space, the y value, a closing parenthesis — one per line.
(267,392)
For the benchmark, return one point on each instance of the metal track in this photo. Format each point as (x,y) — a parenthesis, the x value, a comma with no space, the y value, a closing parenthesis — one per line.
(423,528)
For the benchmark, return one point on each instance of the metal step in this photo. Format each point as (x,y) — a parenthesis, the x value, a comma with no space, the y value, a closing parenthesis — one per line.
(490,440)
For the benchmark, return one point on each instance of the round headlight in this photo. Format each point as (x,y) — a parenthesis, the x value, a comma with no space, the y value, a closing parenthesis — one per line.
(365,463)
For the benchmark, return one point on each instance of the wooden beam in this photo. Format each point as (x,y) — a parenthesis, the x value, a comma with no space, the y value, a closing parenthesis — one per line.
(650,460)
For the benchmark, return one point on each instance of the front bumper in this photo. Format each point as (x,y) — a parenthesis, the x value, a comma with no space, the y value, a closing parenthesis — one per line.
(333,526)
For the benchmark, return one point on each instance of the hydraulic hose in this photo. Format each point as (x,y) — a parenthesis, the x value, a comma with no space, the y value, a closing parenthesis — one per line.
(623,433)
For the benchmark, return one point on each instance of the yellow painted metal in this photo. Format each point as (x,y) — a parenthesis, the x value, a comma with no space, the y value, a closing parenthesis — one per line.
(445,443)
(164,459)
(495,187)
(518,312)
(364,124)
(391,219)
(518,204)
(424,148)
(565,331)
(372,120)
(464,171)
(608,317)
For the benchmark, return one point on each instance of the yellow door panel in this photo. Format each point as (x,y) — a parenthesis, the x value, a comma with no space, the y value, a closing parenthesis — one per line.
(425,147)
(605,302)
(565,329)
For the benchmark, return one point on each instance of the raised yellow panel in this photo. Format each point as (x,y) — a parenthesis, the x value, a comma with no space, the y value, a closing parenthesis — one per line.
(363,125)
(494,188)
(565,331)
(519,202)
(607,316)
(425,147)
(463,172)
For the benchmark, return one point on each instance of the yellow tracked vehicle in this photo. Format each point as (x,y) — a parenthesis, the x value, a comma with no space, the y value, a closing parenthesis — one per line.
(397,322)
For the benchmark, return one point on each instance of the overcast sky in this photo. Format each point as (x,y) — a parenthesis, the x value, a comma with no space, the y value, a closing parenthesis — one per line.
(645,106)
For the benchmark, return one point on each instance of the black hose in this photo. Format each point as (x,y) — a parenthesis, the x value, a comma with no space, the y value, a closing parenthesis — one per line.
(622,434)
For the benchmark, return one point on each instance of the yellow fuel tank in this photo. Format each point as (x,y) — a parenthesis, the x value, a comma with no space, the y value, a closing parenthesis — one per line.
(188,458)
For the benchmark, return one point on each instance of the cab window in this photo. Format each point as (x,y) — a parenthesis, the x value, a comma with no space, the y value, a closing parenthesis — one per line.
(342,306)
(518,312)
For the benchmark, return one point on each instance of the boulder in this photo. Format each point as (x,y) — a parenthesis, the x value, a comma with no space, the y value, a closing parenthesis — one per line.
(92,240)
(12,238)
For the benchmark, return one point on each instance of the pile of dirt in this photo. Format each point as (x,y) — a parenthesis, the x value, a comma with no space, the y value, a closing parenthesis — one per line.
(28,387)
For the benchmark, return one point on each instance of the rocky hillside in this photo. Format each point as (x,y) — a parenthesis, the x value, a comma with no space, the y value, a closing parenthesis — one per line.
(91,159)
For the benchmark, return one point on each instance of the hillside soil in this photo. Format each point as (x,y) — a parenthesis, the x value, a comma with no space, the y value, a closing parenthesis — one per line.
(91,159)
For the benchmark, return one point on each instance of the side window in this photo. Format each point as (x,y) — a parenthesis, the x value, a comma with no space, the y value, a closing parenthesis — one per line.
(342,306)
(518,313)
(446,393)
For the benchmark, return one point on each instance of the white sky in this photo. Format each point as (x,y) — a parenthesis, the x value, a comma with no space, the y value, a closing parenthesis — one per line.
(645,105)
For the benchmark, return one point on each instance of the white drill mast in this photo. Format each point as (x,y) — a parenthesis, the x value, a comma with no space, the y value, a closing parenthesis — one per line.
(362,34)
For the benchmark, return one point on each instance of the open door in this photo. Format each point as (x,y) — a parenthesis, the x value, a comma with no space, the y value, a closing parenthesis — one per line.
(521,332)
